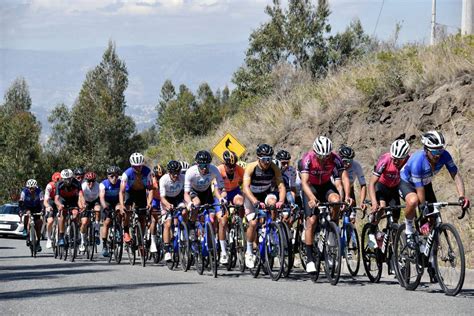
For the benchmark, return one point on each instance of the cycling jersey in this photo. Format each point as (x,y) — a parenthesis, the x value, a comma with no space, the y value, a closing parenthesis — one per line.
(50,191)
(71,193)
(142,182)
(31,201)
(355,170)
(289,178)
(90,194)
(170,188)
(193,179)
(111,191)
(261,180)
(320,172)
(156,189)
(237,178)
(418,172)
(387,171)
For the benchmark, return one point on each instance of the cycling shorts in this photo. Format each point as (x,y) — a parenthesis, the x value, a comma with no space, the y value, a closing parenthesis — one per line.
(322,193)
(206,197)
(261,197)
(232,194)
(91,205)
(389,195)
(137,197)
(406,188)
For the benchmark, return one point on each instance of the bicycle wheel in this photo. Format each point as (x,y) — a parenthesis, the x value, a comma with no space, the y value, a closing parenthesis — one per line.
(231,249)
(73,241)
(241,244)
(389,257)
(140,243)
(287,249)
(332,253)
(90,242)
(300,245)
(255,271)
(184,249)
(370,254)
(118,243)
(274,251)
(408,266)
(212,248)
(54,239)
(32,237)
(158,256)
(198,254)
(449,261)
(352,249)
(111,242)
(318,252)
(130,249)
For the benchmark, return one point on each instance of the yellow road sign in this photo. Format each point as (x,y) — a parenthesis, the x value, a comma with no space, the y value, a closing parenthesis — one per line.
(228,142)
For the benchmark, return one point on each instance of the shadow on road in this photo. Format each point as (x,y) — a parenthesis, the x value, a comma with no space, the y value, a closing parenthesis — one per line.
(7,248)
(60,265)
(35,293)
(35,275)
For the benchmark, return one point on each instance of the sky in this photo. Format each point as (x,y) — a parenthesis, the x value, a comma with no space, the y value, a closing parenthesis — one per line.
(77,24)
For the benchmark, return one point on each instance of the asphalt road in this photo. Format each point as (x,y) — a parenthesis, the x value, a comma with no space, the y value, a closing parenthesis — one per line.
(45,285)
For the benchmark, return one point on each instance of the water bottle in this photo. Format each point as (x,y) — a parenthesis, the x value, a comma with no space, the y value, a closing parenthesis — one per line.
(372,243)
(303,235)
(380,236)
(175,232)
(231,235)
(260,235)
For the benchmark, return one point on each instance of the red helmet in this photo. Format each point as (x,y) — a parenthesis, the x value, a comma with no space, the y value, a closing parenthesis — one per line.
(56,176)
(90,176)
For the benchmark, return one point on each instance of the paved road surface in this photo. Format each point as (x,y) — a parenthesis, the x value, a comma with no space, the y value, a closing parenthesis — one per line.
(44,286)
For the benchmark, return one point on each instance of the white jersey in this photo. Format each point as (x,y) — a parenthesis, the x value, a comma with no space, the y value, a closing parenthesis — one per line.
(92,194)
(170,188)
(193,179)
(355,170)
(49,193)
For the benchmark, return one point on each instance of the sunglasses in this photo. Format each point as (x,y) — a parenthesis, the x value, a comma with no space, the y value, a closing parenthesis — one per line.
(90,181)
(175,174)
(203,166)
(322,157)
(112,175)
(347,161)
(284,163)
(265,159)
(437,152)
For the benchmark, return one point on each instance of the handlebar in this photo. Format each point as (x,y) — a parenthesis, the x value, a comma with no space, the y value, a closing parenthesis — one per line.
(444,204)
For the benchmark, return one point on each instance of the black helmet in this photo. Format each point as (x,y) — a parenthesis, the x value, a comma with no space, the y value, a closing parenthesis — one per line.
(79,171)
(158,170)
(264,150)
(174,166)
(346,152)
(230,158)
(113,170)
(203,156)
(283,155)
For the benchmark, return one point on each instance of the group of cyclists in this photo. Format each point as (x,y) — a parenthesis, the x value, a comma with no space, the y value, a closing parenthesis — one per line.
(321,175)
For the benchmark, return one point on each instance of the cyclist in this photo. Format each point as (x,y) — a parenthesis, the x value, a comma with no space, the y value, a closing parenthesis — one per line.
(385,180)
(319,165)
(416,176)
(90,189)
(158,172)
(198,190)
(354,169)
(79,174)
(109,199)
(49,206)
(288,174)
(68,194)
(136,180)
(172,195)
(233,176)
(31,201)
(257,186)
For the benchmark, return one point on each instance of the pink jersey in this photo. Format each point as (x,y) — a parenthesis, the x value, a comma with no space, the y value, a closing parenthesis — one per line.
(320,172)
(387,171)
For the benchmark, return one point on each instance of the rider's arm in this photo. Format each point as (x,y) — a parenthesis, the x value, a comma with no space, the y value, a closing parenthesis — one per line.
(339,187)
(123,185)
(246,185)
(82,201)
(459,183)
(346,183)
(102,196)
(373,180)
(306,188)
(47,196)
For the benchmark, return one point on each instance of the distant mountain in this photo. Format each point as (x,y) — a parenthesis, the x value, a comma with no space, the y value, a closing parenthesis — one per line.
(56,76)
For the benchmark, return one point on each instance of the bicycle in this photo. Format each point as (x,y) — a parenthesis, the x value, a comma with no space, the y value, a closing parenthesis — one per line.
(33,238)
(180,248)
(55,237)
(155,256)
(291,212)
(115,238)
(92,237)
(377,245)
(269,246)
(447,252)
(204,245)
(236,239)
(71,242)
(350,244)
(136,246)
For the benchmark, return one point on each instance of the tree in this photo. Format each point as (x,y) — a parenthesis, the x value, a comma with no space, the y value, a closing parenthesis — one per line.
(17,98)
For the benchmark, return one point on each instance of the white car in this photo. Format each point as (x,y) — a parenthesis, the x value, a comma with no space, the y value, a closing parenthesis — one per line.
(10,222)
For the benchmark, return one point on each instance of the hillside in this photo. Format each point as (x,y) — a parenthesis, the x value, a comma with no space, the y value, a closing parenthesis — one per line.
(367,105)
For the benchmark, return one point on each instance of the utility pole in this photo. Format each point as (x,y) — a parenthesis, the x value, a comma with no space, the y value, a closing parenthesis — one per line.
(467,21)
(433,22)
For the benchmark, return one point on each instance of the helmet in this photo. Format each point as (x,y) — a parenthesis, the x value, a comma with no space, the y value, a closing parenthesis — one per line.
(67,174)
(158,170)
(242,163)
(399,149)
(230,158)
(137,159)
(79,171)
(203,156)
(56,176)
(433,140)
(31,184)
(346,152)
(277,163)
(283,155)
(113,170)
(264,150)
(90,176)
(174,166)
(184,165)
(322,146)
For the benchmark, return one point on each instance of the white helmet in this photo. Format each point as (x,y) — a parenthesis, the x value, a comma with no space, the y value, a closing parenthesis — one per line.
(184,166)
(277,163)
(433,140)
(31,183)
(137,159)
(322,146)
(67,174)
(400,149)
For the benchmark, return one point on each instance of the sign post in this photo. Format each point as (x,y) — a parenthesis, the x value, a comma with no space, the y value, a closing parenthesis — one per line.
(228,142)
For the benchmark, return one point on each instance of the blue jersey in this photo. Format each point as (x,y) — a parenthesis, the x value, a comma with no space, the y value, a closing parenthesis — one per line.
(129,178)
(111,190)
(30,200)
(418,172)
